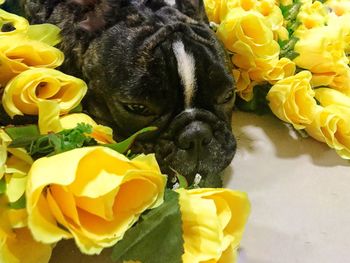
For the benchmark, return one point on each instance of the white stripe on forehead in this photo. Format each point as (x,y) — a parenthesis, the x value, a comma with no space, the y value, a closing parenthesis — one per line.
(186,69)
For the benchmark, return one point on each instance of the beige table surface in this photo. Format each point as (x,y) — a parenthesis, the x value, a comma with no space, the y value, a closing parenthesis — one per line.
(299,191)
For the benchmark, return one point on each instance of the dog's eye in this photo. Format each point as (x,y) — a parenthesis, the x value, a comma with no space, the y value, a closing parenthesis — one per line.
(138,109)
(8,27)
(228,97)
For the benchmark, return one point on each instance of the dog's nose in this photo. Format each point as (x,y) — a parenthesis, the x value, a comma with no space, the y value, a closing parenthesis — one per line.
(195,136)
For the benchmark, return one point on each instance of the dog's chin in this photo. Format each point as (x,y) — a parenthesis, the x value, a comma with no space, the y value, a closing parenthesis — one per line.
(208,163)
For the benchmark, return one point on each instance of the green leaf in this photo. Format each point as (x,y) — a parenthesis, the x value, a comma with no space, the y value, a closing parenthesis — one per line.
(53,143)
(123,146)
(157,238)
(22,131)
(19,204)
(2,186)
(290,12)
(180,179)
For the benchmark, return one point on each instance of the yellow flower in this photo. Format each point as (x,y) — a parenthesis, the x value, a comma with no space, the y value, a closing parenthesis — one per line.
(100,133)
(93,194)
(338,80)
(339,7)
(17,244)
(15,164)
(292,100)
(2,1)
(213,221)
(327,97)
(248,32)
(332,125)
(18,53)
(273,15)
(312,14)
(282,69)
(215,10)
(321,49)
(249,36)
(244,85)
(46,92)
(11,24)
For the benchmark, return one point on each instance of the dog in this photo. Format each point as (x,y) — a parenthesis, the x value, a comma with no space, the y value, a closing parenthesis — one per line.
(151,63)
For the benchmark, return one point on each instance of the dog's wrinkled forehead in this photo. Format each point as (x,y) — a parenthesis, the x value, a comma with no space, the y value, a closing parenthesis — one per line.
(161,50)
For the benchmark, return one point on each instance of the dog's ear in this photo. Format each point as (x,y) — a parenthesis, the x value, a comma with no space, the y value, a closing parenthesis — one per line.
(97,14)
(193,8)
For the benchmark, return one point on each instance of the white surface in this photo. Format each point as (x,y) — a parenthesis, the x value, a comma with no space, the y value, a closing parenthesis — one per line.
(299,191)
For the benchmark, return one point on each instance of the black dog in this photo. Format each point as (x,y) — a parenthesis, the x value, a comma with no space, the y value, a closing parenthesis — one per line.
(150,63)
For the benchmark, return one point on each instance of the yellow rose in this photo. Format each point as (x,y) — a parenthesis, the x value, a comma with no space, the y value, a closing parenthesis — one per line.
(248,32)
(282,69)
(102,134)
(273,15)
(338,80)
(340,16)
(11,24)
(215,10)
(213,221)
(93,194)
(327,97)
(46,92)
(321,50)
(255,52)
(339,8)
(312,14)
(292,100)
(244,86)
(17,244)
(15,164)
(18,53)
(332,125)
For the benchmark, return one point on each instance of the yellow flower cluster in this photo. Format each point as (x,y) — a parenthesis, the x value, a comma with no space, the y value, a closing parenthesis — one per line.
(16,242)
(249,30)
(253,30)
(28,81)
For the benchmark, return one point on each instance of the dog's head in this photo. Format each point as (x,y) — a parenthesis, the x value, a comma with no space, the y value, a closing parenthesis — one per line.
(161,65)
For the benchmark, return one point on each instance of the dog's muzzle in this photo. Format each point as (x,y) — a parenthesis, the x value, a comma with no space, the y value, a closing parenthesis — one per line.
(196,142)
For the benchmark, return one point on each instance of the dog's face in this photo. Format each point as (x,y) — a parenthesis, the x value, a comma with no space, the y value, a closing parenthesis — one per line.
(160,67)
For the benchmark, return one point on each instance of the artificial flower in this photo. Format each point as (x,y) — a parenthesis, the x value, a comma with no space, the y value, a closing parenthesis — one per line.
(244,86)
(95,197)
(102,134)
(18,53)
(11,24)
(44,92)
(327,97)
(282,69)
(215,10)
(332,125)
(247,34)
(17,244)
(213,221)
(45,33)
(292,100)
(321,49)
(15,164)
(338,80)
(312,14)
